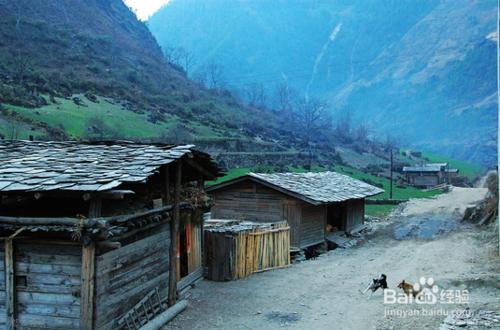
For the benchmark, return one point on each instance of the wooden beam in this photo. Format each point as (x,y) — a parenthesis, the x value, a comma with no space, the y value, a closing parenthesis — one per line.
(110,194)
(87,289)
(10,290)
(136,231)
(200,169)
(174,231)
(50,221)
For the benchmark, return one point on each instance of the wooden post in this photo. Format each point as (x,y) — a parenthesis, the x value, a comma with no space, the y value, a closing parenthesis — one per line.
(166,197)
(87,281)
(10,290)
(390,192)
(174,231)
(88,273)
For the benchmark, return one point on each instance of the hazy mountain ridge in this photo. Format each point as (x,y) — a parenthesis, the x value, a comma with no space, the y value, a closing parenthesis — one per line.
(421,70)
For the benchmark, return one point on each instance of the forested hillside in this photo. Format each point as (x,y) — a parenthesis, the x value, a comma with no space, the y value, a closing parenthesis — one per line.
(422,71)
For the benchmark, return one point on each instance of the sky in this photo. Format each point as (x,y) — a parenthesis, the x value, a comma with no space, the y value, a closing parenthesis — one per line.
(145,8)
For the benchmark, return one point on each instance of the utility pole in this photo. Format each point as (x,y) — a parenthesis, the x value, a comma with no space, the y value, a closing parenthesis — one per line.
(498,94)
(390,191)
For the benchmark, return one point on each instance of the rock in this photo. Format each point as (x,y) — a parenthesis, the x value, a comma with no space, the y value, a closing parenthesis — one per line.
(78,101)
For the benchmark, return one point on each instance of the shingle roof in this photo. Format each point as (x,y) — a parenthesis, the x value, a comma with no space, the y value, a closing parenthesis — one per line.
(315,188)
(423,168)
(437,164)
(76,166)
(429,167)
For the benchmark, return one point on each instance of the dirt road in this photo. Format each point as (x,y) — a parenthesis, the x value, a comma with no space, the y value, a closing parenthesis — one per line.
(324,293)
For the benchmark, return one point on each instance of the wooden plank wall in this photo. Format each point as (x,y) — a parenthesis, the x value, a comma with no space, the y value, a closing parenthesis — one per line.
(47,285)
(355,213)
(426,180)
(248,201)
(236,255)
(312,228)
(219,260)
(124,276)
(2,288)
(292,214)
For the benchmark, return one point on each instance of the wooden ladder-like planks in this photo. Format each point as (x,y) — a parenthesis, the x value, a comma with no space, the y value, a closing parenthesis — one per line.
(246,252)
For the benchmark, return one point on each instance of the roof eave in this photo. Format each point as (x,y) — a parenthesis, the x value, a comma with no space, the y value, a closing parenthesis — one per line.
(264,183)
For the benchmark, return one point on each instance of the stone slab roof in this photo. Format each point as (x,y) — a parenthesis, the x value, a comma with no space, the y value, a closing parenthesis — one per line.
(90,167)
(315,188)
(424,168)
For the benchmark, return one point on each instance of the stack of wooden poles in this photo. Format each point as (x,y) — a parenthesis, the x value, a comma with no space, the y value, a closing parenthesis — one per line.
(235,249)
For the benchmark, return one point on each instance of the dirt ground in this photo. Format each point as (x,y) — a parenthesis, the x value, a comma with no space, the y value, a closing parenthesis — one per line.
(324,293)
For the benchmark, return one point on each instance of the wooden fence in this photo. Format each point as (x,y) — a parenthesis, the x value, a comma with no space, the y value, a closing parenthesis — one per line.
(236,251)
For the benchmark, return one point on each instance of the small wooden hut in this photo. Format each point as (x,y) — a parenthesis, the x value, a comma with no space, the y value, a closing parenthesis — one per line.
(307,201)
(91,235)
(429,175)
(237,249)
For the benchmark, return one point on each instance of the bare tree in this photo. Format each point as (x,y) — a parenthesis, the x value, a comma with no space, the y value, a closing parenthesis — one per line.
(186,59)
(22,65)
(180,57)
(284,96)
(170,54)
(312,117)
(21,60)
(214,76)
(343,125)
(361,132)
(256,95)
(201,78)
(391,142)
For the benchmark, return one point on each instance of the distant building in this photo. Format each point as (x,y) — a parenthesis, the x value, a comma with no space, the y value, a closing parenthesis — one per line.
(307,201)
(429,175)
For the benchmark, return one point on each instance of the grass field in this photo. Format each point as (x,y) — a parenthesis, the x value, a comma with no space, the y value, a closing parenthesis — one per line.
(379,210)
(123,123)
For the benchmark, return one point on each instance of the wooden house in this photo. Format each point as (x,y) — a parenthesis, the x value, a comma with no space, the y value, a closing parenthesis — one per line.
(307,201)
(429,175)
(88,232)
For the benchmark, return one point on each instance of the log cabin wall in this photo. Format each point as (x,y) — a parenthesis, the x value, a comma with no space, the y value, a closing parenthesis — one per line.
(312,229)
(47,286)
(354,214)
(124,276)
(248,200)
(293,215)
(3,311)
(425,180)
(252,201)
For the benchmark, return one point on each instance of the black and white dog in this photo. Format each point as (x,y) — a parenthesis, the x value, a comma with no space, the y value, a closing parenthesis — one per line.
(376,284)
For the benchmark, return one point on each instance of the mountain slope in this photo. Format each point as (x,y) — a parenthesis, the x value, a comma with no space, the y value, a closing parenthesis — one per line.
(57,50)
(422,70)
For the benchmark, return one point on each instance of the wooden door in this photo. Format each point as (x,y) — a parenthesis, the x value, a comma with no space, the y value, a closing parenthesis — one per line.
(291,213)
